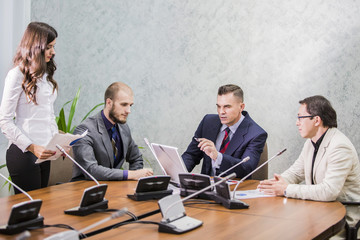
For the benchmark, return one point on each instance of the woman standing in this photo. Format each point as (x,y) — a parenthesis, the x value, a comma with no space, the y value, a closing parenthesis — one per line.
(27,109)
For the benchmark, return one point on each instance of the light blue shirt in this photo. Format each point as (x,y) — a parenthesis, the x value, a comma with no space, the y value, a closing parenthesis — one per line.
(216,164)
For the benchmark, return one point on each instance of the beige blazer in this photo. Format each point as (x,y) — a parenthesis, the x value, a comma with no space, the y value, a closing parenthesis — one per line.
(336,171)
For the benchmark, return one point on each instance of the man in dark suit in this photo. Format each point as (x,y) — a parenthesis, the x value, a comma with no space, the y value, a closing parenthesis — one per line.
(108,144)
(225,139)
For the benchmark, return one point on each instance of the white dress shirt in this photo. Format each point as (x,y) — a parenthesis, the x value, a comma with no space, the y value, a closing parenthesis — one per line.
(33,123)
(216,163)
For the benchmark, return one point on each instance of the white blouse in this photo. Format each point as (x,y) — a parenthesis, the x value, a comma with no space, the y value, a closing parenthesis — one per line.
(33,123)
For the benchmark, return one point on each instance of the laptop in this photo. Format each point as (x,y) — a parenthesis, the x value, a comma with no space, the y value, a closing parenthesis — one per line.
(169,160)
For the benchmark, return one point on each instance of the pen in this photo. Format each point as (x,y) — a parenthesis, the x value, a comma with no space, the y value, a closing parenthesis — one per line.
(197,139)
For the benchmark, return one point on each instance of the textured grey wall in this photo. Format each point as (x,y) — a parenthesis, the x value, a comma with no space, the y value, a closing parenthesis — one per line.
(175,54)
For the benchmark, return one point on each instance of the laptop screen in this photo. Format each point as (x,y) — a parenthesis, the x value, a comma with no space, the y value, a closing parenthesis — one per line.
(170,160)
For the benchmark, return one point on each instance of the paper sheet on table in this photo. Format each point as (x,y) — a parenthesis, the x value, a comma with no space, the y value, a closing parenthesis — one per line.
(64,140)
(251,194)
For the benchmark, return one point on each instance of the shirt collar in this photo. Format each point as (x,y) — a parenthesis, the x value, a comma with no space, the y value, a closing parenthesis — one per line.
(233,127)
(107,123)
(318,142)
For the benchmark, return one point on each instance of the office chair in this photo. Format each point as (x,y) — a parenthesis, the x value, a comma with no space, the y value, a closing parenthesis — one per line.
(60,171)
(351,232)
(262,173)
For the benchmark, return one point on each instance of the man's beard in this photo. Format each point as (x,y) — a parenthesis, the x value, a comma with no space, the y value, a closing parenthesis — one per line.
(113,118)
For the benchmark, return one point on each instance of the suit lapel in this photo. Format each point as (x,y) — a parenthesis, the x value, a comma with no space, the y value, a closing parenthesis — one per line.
(211,133)
(214,131)
(238,137)
(322,150)
(105,139)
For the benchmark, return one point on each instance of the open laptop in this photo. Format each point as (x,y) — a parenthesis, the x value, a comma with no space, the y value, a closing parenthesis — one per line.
(169,160)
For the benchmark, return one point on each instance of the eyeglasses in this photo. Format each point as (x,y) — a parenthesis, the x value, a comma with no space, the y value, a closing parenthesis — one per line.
(301,117)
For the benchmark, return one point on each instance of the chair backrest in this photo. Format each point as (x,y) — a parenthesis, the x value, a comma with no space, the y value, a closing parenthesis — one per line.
(60,171)
(262,173)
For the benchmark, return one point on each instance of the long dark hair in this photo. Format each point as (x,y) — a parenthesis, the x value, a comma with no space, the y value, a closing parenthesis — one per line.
(30,57)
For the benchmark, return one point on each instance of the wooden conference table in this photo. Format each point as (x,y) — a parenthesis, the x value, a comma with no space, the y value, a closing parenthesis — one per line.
(267,218)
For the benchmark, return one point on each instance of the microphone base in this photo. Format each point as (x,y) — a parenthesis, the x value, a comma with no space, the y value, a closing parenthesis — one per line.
(83,211)
(179,226)
(230,203)
(20,227)
(205,195)
(150,195)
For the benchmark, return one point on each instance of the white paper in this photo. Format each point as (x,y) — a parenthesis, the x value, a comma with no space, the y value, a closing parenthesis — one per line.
(251,194)
(64,141)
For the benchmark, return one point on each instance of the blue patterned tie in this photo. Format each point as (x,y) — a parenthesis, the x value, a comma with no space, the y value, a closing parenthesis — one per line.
(114,142)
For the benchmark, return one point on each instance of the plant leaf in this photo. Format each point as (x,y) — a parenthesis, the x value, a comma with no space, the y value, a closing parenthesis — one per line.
(72,109)
(98,105)
(72,129)
(61,122)
(9,183)
(66,103)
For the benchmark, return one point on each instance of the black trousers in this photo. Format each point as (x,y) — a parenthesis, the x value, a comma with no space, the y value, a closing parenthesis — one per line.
(23,170)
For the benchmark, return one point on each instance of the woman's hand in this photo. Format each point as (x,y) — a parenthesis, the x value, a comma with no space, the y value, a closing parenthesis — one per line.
(40,152)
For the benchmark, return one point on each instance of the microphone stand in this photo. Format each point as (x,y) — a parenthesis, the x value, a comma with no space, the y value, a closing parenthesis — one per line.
(176,221)
(74,235)
(93,197)
(243,179)
(239,163)
(23,215)
(200,191)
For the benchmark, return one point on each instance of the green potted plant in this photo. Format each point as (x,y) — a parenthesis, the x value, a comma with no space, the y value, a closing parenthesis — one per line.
(61,169)
(61,119)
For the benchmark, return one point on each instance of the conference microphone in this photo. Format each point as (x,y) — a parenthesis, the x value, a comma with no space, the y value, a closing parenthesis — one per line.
(93,197)
(77,164)
(239,163)
(74,235)
(242,180)
(173,211)
(23,215)
(17,187)
(192,182)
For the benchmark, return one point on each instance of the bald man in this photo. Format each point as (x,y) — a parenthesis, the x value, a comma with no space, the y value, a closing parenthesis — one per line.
(108,144)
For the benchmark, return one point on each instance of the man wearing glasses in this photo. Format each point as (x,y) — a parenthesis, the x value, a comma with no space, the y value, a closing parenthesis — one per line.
(328,162)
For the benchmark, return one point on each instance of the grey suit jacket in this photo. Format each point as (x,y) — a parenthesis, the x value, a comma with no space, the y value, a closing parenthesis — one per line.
(94,152)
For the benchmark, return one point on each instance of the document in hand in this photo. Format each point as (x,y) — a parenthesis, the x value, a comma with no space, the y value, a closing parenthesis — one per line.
(64,140)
